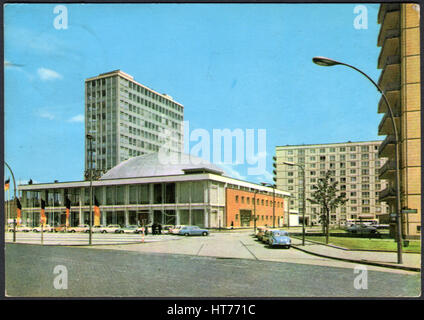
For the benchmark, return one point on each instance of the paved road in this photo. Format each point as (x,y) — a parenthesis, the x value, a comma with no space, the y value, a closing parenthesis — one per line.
(221,265)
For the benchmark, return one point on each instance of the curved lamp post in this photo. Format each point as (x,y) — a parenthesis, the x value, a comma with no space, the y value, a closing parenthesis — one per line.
(326,62)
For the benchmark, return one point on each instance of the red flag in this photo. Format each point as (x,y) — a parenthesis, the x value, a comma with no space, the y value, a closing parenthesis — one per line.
(18,211)
(43,218)
(68,210)
(96,212)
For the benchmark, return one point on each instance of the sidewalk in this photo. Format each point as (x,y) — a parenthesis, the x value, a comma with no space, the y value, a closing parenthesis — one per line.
(411,261)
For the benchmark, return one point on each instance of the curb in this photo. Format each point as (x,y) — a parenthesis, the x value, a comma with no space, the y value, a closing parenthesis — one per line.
(371,263)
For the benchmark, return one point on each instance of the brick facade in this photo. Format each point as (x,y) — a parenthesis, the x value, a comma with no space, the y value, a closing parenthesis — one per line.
(240,209)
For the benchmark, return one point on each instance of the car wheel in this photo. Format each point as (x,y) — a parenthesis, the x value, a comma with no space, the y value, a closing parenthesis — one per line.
(121,231)
(104,231)
(186,234)
(72,231)
(204,233)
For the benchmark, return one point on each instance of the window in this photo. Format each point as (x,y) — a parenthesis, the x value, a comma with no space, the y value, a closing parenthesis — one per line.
(242,199)
(322,150)
(332,149)
(322,158)
(342,149)
(290,174)
(352,148)
(352,163)
(352,156)
(237,199)
(312,158)
(364,148)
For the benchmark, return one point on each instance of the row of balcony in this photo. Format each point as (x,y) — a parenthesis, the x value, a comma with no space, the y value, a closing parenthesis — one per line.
(386,126)
(387,147)
(390,73)
(390,47)
(388,170)
(388,17)
(387,195)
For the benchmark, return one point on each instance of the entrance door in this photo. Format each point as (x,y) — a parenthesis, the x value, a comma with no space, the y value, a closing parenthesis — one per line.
(245,217)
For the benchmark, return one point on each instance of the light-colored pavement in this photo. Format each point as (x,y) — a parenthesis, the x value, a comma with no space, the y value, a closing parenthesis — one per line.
(82,238)
(237,245)
(410,260)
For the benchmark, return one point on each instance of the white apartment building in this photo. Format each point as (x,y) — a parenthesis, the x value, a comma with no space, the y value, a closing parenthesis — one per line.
(127,119)
(355,165)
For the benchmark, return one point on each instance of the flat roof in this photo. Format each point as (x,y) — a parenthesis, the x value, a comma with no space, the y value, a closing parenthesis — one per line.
(131,78)
(153,179)
(328,144)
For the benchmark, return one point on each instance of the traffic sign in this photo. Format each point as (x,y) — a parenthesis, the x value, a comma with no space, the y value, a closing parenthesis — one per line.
(409,211)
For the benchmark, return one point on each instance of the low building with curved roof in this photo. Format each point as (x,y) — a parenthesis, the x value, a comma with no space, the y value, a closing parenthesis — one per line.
(172,188)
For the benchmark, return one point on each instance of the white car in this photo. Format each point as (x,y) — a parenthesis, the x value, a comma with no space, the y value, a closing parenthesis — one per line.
(96,229)
(110,228)
(80,228)
(21,228)
(176,229)
(46,228)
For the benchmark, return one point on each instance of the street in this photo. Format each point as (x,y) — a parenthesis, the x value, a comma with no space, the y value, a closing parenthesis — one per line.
(221,265)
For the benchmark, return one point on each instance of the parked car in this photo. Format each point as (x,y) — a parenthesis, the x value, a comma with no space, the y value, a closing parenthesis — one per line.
(127,229)
(258,229)
(46,228)
(266,235)
(167,228)
(261,232)
(96,229)
(110,228)
(176,229)
(192,231)
(60,228)
(362,229)
(382,226)
(21,228)
(279,238)
(80,228)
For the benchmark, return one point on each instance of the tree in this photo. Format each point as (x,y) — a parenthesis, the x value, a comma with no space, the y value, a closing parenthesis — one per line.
(327,196)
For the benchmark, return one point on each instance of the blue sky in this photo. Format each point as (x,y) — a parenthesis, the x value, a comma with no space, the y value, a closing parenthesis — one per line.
(244,66)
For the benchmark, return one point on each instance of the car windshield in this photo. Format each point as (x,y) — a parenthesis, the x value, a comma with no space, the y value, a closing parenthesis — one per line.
(281,234)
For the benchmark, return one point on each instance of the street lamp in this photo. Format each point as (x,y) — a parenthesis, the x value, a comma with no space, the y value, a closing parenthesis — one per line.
(326,62)
(303,197)
(273,186)
(90,138)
